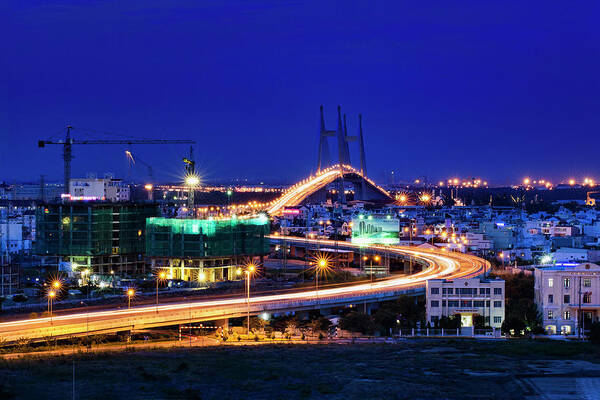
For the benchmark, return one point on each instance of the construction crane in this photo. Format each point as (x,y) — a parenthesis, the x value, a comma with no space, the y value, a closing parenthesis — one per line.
(131,160)
(68,143)
(190,164)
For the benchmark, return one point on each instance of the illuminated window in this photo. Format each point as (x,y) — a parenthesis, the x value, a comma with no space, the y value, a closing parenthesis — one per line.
(550,282)
(550,314)
(567,315)
(567,282)
(587,282)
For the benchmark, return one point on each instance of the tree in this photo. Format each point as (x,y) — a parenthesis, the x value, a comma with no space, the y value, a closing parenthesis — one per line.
(410,311)
(524,310)
(257,323)
(386,318)
(479,321)
(520,304)
(451,322)
(358,322)
(319,324)
(513,326)
(594,335)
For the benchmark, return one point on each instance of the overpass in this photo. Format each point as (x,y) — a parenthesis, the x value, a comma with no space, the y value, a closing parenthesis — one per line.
(439,264)
(364,188)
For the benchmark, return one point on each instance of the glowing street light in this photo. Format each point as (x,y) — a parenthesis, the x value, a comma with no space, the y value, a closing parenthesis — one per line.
(250,269)
(321,264)
(51,296)
(130,294)
(160,276)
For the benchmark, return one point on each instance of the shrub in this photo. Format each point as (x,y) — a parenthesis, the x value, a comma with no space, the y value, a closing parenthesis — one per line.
(321,337)
(19,298)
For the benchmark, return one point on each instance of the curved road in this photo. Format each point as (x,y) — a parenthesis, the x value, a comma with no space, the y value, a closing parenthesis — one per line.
(440,264)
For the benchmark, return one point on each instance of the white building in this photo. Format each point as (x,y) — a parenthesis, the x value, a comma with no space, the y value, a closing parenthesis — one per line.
(98,189)
(568,254)
(567,294)
(12,238)
(467,298)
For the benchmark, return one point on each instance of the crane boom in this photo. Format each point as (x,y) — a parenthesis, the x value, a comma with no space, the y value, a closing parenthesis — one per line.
(68,142)
(43,143)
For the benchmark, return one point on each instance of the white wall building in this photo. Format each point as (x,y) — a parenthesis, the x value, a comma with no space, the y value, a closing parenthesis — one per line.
(567,294)
(12,240)
(99,189)
(568,254)
(467,298)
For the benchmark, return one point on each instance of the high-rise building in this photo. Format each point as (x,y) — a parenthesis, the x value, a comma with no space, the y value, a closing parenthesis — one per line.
(103,237)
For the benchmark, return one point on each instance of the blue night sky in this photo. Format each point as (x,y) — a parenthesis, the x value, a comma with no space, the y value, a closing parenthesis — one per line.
(499,90)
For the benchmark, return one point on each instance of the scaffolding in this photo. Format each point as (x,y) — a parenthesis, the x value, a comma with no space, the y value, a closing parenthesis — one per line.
(96,229)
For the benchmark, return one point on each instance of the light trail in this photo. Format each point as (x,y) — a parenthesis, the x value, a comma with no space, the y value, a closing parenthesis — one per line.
(300,191)
(440,264)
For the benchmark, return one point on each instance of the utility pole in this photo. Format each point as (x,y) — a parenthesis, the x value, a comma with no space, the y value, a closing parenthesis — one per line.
(579,312)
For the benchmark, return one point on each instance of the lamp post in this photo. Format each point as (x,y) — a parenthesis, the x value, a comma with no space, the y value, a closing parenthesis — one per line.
(51,295)
(250,268)
(160,276)
(377,259)
(130,294)
(87,318)
(322,264)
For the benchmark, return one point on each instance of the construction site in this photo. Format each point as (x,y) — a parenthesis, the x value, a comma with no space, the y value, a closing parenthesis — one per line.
(205,250)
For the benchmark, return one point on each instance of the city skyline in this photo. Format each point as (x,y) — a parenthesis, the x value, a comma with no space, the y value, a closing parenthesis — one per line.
(442,91)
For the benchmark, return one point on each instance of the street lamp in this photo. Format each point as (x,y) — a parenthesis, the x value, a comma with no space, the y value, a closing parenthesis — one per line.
(250,269)
(130,294)
(321,265)
(160,276)
(51,296)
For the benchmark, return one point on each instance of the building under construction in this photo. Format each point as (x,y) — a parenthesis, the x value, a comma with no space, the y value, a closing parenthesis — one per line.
(103,237)
(206,250)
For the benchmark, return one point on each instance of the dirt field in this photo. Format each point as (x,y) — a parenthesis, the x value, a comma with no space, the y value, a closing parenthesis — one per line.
(412,369)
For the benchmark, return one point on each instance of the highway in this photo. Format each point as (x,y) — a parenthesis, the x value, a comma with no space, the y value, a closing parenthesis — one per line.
(439,264)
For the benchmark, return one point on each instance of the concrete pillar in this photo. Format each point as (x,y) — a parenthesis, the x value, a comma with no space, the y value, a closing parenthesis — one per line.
(222,324)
